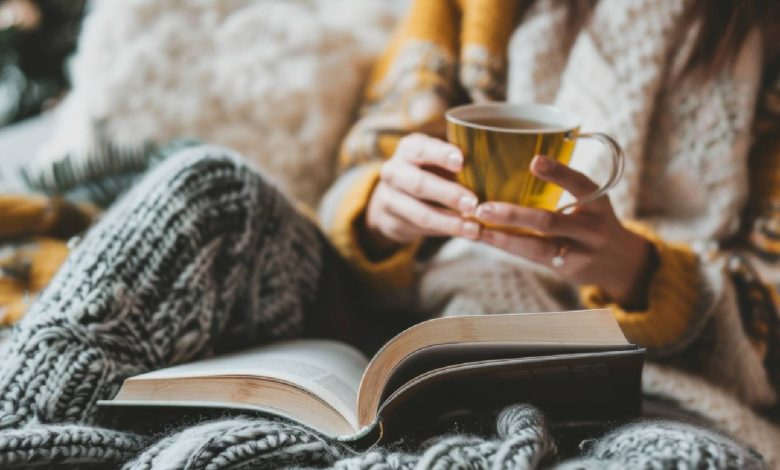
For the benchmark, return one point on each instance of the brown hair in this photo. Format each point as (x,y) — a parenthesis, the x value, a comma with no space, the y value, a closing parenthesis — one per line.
(723,27)
(720,29)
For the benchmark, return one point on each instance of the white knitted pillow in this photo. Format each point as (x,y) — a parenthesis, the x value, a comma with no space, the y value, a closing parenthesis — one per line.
(276,80)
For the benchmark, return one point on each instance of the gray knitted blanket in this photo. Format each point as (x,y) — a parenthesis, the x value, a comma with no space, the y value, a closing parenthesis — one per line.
(203,254)
(521,441)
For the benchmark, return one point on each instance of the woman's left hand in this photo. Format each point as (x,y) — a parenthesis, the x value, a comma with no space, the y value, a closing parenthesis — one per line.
(588,245)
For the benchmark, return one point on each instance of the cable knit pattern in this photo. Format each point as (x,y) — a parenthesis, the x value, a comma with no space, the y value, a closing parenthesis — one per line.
(534,73)
(615,69)
(195,255)
(725,412)
(204,252)
(661,444)
(468,278)
(522,441)
(694,185)
(241,442)
(41,446)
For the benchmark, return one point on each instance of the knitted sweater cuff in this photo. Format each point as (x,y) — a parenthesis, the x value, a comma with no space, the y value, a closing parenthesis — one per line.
(671,298)
(341,212)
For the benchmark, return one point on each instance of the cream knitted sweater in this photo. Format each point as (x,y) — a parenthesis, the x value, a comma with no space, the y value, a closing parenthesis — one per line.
(686,179)
(686,176)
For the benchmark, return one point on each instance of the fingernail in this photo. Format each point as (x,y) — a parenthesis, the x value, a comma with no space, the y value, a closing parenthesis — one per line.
(484,212)
(455,161)
(541,163)
(467,204)
(471,230)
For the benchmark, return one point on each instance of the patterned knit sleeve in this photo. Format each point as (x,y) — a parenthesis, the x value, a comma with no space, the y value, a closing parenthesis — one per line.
(714,315)
(693,321)
(672,295)
(443,53)
(763,212)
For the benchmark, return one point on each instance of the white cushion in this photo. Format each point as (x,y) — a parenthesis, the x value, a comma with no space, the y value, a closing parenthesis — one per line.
(276,80)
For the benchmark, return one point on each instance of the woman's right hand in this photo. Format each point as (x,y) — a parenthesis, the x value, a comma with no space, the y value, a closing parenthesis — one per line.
(416,196)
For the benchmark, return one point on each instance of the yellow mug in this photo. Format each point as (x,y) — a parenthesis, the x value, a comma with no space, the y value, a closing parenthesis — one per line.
(499,140)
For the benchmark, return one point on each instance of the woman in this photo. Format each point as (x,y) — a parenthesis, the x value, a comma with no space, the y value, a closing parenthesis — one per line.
(204,254)
(676,85)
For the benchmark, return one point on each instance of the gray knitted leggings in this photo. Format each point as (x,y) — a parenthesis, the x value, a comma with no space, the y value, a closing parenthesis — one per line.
(201,253)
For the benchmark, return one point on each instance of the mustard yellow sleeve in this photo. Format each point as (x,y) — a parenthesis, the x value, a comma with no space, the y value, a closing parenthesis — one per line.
(671,299)
(440,49)
(411,86)
(426,38)
(342,210)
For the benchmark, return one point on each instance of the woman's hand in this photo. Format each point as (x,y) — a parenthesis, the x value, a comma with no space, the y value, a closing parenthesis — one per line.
(590,243)
(415,196)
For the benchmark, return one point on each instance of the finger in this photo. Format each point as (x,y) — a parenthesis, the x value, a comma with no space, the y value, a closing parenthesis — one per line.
(537,249)
(380,219)
(398,229)
(425,185)
(420,149)
(579,226)
(430,221)
(571,180)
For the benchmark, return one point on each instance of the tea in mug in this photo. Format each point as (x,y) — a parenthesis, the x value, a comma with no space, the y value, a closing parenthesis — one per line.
(498,151)
(499,140)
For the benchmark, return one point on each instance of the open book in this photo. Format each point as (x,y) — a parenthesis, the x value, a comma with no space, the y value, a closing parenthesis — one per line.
(575,365)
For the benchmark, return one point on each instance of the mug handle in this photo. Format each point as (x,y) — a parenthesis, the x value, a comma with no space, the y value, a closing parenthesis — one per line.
(618,162)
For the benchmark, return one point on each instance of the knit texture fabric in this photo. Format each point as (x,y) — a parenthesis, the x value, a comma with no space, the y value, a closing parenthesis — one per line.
(100,174)
(521,440)
(203,254)
(45,446)
(663,445)
(196,256)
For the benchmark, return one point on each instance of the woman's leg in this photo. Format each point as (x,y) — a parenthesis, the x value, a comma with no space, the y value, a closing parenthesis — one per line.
(202,252)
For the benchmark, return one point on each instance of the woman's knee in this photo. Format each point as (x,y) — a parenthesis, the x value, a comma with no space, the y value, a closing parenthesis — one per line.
(203,176)
(203,162)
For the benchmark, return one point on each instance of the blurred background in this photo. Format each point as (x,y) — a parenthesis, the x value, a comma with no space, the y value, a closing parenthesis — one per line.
(94,93)
(36,37)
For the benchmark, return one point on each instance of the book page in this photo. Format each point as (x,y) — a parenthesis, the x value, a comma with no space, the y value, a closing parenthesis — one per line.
(328,369)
